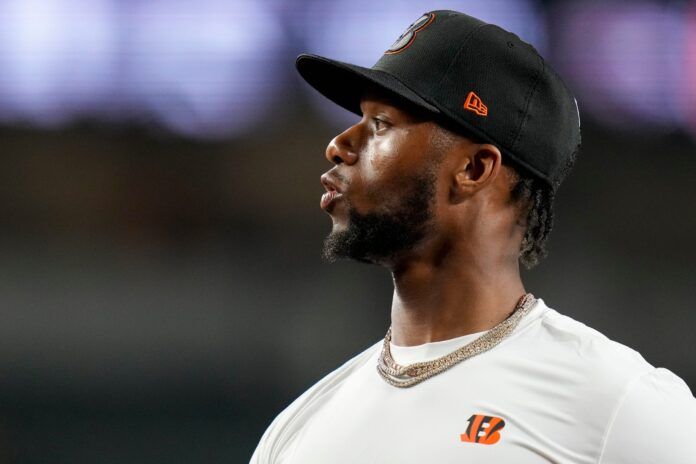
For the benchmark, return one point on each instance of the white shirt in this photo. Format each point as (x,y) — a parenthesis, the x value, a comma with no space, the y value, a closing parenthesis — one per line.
(554,391)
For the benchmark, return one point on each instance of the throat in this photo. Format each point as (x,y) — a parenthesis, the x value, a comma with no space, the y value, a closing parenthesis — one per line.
(404,376)
(429,305)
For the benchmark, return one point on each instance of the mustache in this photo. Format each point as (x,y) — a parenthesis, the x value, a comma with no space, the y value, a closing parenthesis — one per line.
(338,176)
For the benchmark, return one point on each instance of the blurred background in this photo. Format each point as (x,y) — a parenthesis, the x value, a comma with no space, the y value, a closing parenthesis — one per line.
(162,292)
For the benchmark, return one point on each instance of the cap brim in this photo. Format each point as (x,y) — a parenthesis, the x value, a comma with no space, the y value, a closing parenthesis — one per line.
(345,84)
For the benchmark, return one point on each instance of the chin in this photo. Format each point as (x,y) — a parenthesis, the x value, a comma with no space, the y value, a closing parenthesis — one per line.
(338,225)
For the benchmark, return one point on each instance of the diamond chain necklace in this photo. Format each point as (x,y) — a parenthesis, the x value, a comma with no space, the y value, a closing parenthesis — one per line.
(412,374)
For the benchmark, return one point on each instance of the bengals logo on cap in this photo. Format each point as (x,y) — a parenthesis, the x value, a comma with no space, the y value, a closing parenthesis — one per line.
(406,39)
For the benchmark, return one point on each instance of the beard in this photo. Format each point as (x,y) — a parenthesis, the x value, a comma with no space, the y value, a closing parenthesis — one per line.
(380,237)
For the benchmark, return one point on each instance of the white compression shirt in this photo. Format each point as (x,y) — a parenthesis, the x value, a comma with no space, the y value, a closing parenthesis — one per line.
(554,391)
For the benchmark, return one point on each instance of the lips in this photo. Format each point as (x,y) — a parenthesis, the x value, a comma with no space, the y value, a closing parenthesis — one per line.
(333,192)
(328,199)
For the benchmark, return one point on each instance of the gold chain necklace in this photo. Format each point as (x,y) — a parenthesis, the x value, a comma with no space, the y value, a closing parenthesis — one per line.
(412,374)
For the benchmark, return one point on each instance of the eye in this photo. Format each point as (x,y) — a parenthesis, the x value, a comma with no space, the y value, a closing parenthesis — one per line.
(380,124)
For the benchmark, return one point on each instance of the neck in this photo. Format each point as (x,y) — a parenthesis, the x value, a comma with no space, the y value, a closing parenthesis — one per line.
(444,298)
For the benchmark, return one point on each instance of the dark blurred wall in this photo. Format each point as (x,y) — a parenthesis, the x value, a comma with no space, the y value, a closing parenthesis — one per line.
(163,299)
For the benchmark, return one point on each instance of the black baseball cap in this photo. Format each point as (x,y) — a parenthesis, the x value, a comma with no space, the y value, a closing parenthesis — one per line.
(475,75)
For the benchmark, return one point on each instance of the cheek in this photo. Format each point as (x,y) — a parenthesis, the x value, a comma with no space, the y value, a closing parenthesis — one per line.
(386,168)
(382,169)
(392,156)
(381,157)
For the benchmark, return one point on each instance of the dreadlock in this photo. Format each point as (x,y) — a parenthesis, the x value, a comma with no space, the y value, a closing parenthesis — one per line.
(536,199)
(537,212)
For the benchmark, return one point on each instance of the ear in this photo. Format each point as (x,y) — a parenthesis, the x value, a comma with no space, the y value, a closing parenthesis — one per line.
(477,169)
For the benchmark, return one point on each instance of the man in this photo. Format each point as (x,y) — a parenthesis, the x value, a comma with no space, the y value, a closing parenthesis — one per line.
(448,181)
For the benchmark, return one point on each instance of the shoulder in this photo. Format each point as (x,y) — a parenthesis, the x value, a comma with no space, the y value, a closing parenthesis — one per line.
(574,343)
(593,370)
(638,413)
(652,422)
(283,428)
(332,380)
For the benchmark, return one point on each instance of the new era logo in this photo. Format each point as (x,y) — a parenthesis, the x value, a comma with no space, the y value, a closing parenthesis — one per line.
(473,103)
(484,430)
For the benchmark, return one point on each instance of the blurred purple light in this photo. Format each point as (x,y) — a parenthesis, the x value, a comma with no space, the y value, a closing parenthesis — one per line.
(204,68)
(208,67)
(214,68)
(56,58)
(690,74)
(625,61)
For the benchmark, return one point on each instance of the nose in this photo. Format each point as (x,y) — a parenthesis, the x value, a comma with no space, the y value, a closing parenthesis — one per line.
(343,147)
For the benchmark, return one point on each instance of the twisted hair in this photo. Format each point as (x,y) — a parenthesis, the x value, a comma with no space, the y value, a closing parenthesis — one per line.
(535,198)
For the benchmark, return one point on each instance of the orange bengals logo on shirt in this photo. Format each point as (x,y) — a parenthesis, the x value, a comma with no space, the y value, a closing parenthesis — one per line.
(484,430)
